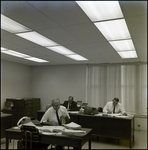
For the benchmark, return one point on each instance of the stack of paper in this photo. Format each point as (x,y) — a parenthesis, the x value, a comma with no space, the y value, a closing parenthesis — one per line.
(71,132)
(114,115)
(72,125)
(51,129)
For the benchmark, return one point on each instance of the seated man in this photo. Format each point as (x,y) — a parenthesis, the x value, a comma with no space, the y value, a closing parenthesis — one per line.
(114,107)
(56,115)
(70,104)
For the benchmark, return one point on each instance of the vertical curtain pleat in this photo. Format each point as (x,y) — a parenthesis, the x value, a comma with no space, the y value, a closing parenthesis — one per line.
(126,82)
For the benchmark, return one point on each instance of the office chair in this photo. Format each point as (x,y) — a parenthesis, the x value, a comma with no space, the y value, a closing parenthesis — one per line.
(100,109)
(30,138)
(48,106)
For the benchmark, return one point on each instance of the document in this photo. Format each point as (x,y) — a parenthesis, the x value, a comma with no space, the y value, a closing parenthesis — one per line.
(122,116)
(114,115)
(73,112)
(71,132)
(51,129)
(72,125)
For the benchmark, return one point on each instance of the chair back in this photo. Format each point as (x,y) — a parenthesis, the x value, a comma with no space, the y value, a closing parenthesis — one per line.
(29,134)
(48,106)
(100,109)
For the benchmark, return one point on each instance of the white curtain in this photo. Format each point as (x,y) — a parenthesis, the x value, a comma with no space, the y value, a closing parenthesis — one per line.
(96,86)
(126,82)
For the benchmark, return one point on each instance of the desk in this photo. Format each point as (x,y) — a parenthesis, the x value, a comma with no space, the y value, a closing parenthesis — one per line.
(108,126)
(105,126)
(62,140)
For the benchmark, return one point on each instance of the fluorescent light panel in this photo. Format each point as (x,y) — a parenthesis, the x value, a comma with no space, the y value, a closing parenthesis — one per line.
(123,45)
(14,53)
(61,50)
(101,10)
(12,26)
(114,30)
(36,59)
(128,54)
(24,56)
(76,57)
(37,38)
(3,49)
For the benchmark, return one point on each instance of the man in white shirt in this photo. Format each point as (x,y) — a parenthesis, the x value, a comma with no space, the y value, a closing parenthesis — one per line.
(114,107)
(56,115)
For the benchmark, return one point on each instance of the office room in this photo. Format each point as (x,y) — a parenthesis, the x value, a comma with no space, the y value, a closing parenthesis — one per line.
(57,49)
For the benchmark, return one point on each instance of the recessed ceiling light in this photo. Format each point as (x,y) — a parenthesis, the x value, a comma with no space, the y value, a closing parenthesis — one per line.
(123,45)
(3,49)
(77,57)
(128,54)
(37,38)
(12,26)
(14,53)
(61,49)
(114,30)
(101,10)
(36,59)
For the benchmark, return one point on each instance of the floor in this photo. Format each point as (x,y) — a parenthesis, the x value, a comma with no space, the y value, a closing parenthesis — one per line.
(140,142)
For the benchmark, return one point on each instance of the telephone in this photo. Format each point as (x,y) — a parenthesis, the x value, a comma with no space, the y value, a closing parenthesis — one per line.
(23,120)
(26,119)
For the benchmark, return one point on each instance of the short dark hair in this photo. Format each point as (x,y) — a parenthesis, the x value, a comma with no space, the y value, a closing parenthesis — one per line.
(71,97)
(116,99)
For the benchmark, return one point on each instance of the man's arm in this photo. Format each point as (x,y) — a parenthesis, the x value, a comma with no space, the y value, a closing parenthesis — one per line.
(123,110)
(68,120)
(105,109)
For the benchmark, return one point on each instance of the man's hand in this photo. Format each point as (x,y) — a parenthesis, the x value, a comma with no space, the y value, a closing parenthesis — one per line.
(109,112)
(124,114)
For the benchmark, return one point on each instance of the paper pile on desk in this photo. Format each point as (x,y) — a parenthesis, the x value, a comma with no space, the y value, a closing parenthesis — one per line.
(72,125)
(71,132)
(51,129)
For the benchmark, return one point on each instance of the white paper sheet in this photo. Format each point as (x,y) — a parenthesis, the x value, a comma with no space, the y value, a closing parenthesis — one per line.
(73,112)
(51,128)
(72,125)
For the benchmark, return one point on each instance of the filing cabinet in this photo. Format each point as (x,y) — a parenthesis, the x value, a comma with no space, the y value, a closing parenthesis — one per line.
(22,107)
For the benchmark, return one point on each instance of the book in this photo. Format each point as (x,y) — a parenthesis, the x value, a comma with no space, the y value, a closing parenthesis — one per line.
(72,125)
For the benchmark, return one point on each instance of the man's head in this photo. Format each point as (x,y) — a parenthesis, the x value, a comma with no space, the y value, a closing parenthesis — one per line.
(70,99)
(115,101)
(56,103)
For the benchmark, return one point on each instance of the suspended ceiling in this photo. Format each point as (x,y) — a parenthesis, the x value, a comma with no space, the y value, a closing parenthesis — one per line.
(65,23)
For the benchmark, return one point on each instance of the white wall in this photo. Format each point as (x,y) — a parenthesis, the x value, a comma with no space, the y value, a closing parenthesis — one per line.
(61,81)
(15,81)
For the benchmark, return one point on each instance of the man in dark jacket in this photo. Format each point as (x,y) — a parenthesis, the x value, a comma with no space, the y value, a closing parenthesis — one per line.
(70,104)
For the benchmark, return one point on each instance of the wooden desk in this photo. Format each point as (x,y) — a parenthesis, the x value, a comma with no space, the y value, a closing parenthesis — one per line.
(62,140)
(105,126)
